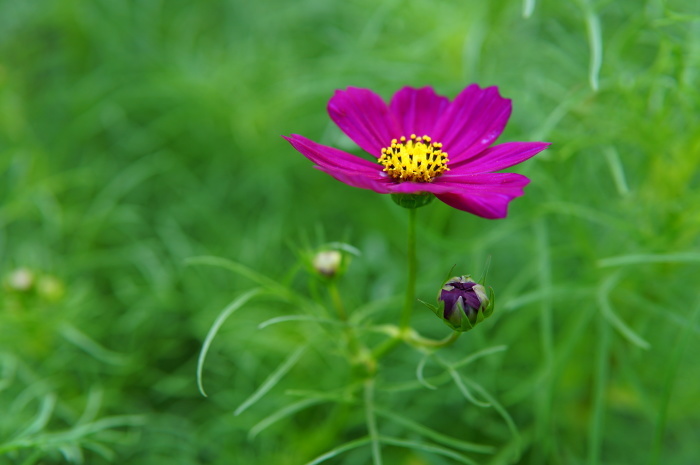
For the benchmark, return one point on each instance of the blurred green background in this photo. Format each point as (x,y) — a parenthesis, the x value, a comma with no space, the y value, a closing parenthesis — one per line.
(137,134)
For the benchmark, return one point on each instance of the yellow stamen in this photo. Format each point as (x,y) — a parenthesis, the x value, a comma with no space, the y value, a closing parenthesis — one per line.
(417,159)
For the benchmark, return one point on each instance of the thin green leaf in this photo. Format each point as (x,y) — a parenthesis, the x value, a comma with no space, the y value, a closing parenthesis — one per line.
(339,450)
(74,435)
(425,447)
(596,431)
(242,270)
(434,435)
(90,346)
(344,247)
(617,170)
(105,452)
(464,390)
(71,453)
(285,412)
(613,318)
(284,319)
(343,395)
(636,259)
(372,422)
(92,406)
(670,378)
(48,403)
(225,313)
(271,380)
(502,411)
(479,354)
(565,293)
(419,372)
(8,369)
(595,41)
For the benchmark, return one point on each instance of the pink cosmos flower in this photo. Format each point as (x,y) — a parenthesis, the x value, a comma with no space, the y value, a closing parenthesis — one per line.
(425,144)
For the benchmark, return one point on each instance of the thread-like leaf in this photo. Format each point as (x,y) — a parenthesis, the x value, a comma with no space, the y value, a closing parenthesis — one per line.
(371,420)
(435,435)
(339,450)
(271,380)
(610,315)
(223,315)
(285,412)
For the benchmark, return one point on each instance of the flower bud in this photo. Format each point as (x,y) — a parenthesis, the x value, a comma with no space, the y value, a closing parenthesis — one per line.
(327,262)
(21,280)
(462,303)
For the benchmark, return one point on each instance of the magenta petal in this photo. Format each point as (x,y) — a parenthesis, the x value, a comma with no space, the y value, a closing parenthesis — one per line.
(486,195)
(332,158)
(354,179)
(417,110)
(416,187)
(473,121)
(498,157)
(364,117)
(343,166)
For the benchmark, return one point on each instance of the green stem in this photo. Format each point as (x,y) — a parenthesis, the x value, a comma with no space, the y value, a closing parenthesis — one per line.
(411,280)
(359,354)
(421,341)
(386,346)
(410,299)
(413,338)
(337,301)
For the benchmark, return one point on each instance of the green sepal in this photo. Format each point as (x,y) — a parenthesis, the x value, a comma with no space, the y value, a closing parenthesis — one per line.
(412,200)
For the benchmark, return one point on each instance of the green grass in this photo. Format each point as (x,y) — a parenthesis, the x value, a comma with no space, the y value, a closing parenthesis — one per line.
(137,135)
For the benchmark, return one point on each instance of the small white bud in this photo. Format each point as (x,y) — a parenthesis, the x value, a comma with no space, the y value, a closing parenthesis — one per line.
(327,262)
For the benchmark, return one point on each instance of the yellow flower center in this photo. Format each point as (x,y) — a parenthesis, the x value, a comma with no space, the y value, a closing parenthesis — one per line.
(417,159)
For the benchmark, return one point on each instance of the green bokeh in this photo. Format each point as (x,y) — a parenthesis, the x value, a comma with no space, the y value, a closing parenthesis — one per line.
(135,135)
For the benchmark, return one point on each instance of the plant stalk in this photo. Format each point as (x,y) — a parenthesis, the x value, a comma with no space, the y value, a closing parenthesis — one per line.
(412,265)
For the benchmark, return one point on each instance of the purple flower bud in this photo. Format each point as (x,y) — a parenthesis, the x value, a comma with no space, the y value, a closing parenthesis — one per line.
(464,303)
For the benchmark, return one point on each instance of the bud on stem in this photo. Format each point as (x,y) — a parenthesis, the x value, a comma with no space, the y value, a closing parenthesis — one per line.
(463,303)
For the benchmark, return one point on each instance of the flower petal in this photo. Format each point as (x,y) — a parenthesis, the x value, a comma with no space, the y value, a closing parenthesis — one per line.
(346,168)
(364,117)
(332,158)
(416,187)
(361,180)
(473,121)
(498,157)
(486,195)
(417,110)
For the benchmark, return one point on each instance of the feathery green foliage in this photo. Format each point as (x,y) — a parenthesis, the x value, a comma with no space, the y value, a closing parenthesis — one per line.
(138,135)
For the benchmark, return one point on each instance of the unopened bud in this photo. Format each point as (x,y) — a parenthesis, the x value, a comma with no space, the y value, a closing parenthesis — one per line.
(22,280)
(327,262)
(463,303)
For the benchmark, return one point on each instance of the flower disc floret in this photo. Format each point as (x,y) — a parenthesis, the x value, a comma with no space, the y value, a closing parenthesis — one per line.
(417,159)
